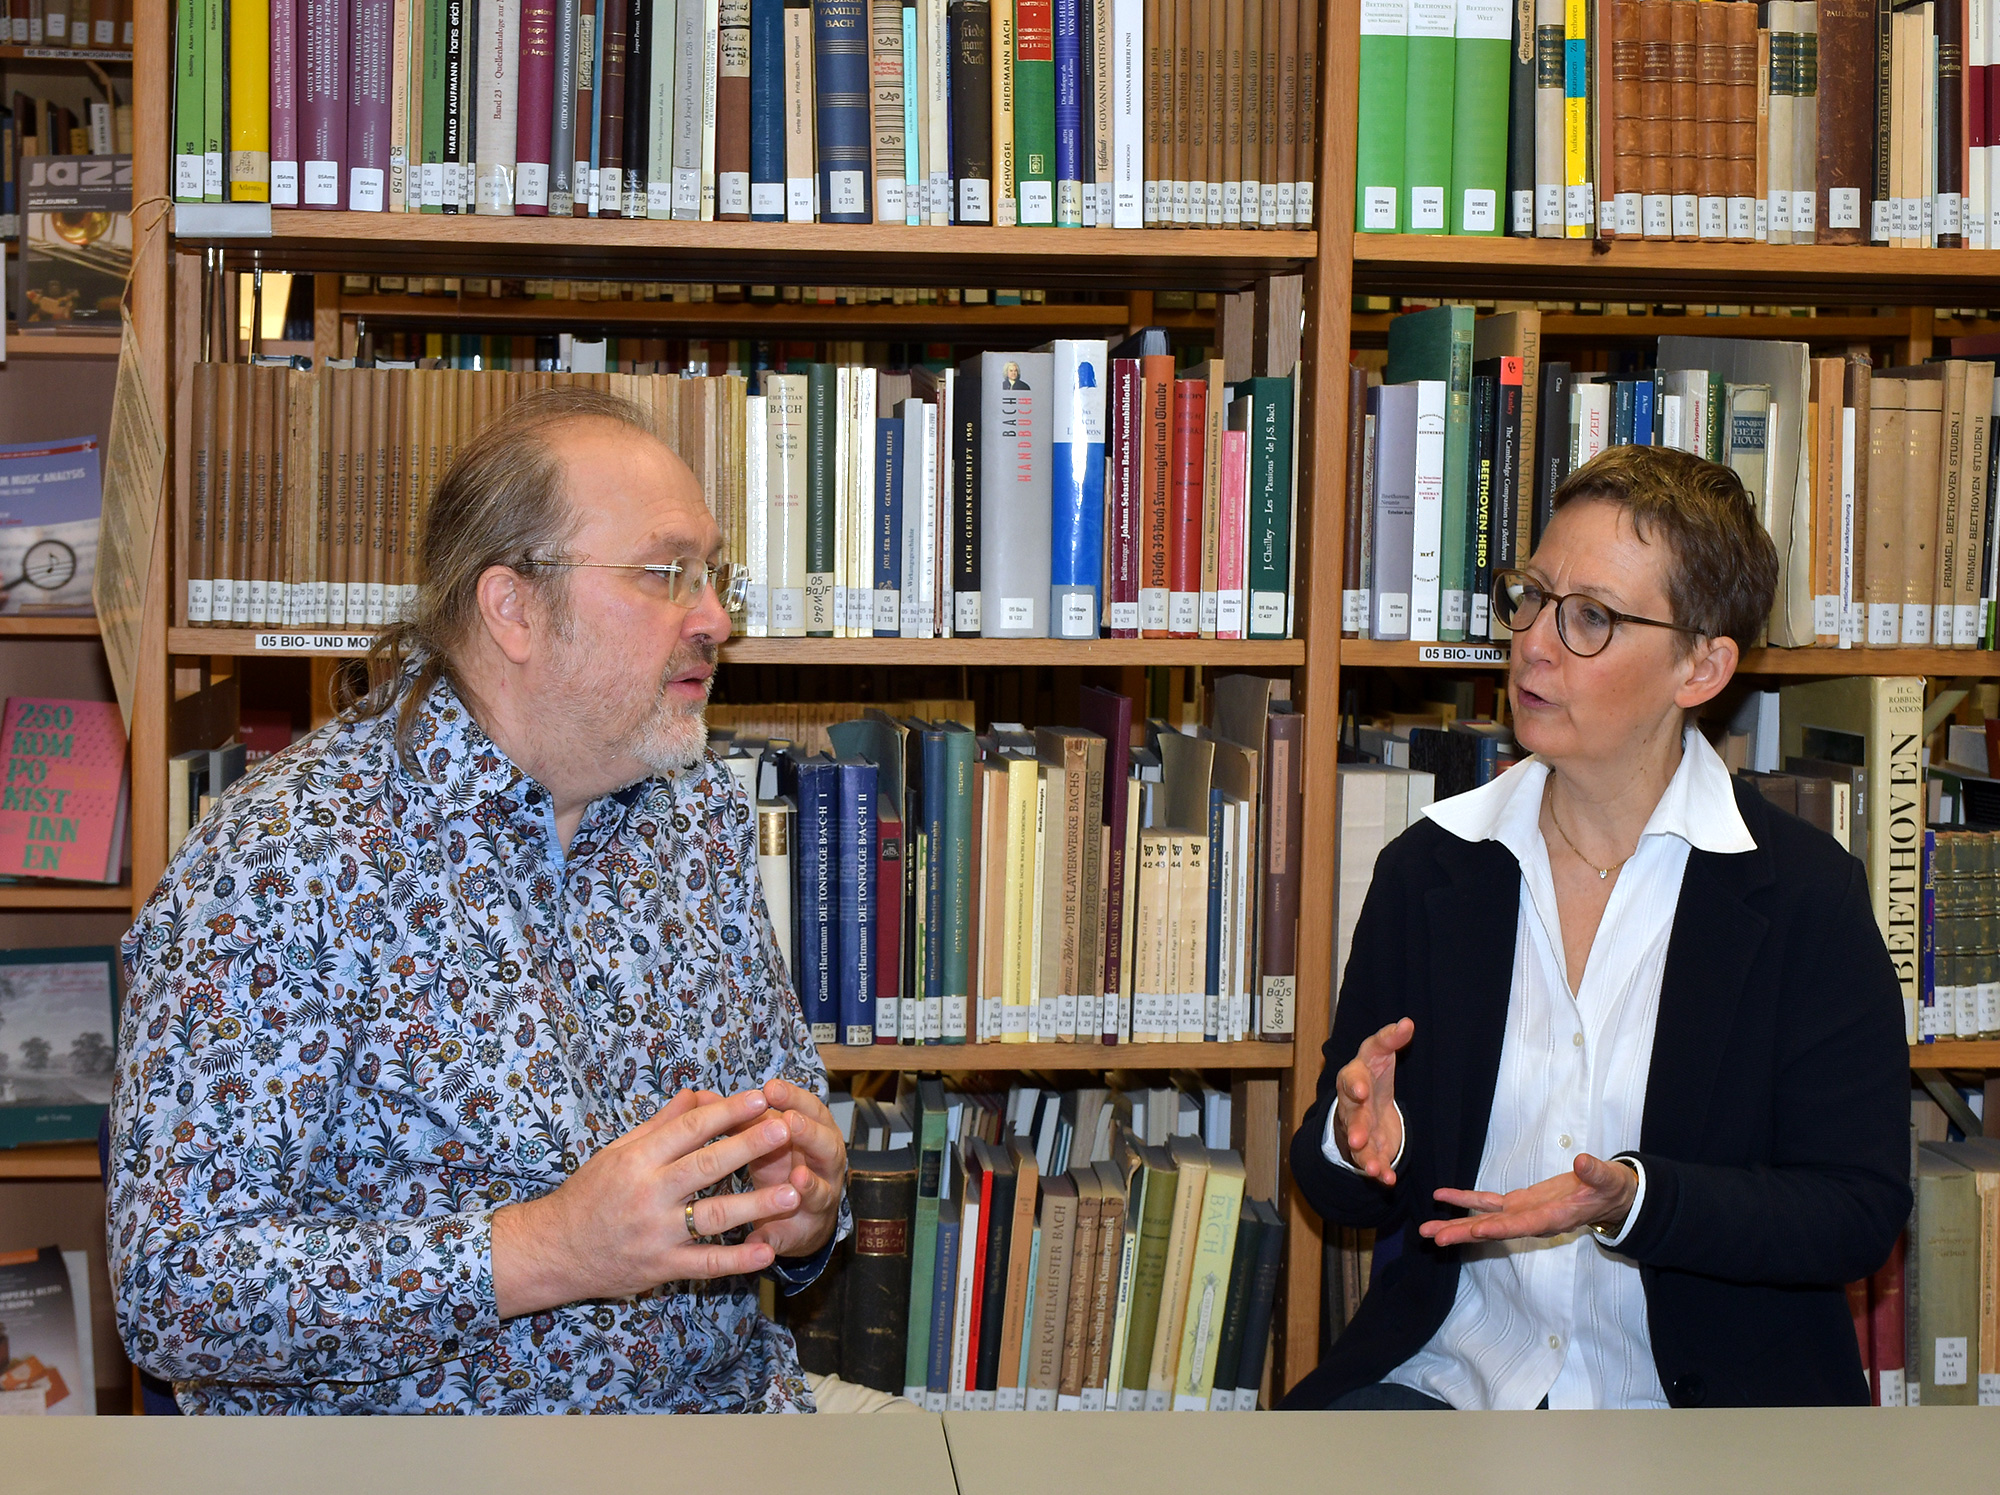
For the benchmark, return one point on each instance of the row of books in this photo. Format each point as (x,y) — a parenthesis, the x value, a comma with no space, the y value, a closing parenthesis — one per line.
(932,884)
(70,23)
(1875,486)
(1071,113)
(1782,121)
(559,288)
(982,500)
(1928,1321)
(1001,1261)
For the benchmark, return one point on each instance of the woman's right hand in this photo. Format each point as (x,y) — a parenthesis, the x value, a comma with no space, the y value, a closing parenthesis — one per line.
(1366,1124)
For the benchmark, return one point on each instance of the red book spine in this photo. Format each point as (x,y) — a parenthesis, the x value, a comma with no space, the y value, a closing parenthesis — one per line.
(978,1250)
(285,103)
(1121,514)
(323,105)
(1861,1313)
(1184,511)
(370,64)
(1157,430)
(888,927)
(1885,1303)
(534,113)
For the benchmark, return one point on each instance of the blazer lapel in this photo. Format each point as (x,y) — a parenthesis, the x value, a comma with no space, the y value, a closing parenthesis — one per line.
(1472,923)
(1715,941)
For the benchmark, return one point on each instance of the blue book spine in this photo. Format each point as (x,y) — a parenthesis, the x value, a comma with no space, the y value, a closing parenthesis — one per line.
(913,179)
(944,1300)
(855,967)
(1076,509)
(1212,1008)
(840,83)
(1642,413)
(819,994)
(936,791)
(767,110)
(889,528)
(1929,1019)
(586,190)
(1624,404)
(1069,115)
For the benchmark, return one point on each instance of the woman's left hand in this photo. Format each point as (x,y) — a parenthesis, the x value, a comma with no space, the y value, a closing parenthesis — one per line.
(1594,1192)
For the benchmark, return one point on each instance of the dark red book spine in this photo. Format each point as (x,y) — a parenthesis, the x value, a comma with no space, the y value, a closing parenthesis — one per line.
(1121,541)
(370,64)
(1156,420)
(323,105)
(1184,509)
(1886,1310)
(615,17)
(535,105)
(888,925)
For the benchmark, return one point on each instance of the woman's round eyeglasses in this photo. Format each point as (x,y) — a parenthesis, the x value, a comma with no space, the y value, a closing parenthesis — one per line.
(1584,624)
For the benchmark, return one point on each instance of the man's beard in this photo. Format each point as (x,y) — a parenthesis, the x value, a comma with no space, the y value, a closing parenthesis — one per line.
(674,736)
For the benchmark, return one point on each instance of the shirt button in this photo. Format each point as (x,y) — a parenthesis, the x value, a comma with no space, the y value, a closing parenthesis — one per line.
(1577,1039)
(1555,1342)
(1563,1140)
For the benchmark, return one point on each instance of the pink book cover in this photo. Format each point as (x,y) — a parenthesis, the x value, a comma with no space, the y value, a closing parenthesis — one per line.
(284,103)
(62,809)
(370,67)
(1121,509)
(323,104)
(1230,519)
(533,114)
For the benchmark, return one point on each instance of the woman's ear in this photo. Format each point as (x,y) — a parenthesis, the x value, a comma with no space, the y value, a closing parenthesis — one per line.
(1710,666)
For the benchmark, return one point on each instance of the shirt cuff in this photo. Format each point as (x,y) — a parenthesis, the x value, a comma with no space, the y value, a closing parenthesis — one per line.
(1330,1147)
(1613,1242)
(796,1273)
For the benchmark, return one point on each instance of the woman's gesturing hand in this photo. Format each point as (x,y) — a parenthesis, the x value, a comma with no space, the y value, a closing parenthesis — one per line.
(1366,1124)
(1595,1192)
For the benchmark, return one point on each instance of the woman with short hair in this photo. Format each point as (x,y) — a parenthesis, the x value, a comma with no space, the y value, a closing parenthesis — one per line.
(1619,1050)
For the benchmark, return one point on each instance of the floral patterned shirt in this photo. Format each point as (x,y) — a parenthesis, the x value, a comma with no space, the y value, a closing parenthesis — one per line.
(371,1001)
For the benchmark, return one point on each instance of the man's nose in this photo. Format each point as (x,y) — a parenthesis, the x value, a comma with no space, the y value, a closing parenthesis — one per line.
(708,618)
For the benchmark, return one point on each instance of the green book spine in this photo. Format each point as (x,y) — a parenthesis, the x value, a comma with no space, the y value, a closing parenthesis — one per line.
(1437,344)
(1035,110)
(961,748)
(1713,445)
(431,176)
(215,92)
(190,99)
(821,387)
(1479,117)
(923,1242)
(1148,1272)
(1430,70)
(1378,142)
(1270,504)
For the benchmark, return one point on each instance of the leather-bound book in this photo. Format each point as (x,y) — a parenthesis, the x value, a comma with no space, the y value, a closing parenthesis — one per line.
(1274,106)
(1950,210)
(615,17)
(1180,140)
(534,144)
(1805,123)
(1307,113)
(1846,114)
(1628,118)
(1656,75)
(1779,126)
(1251,149)
(1711,121)
(875,1313)
(1881,201)
(1681,91)
(970,25)
(1740,24)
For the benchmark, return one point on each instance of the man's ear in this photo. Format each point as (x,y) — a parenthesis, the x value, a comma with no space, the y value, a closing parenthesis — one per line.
(504,609)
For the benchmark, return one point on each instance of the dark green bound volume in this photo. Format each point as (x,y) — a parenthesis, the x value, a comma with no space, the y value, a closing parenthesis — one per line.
(813,1314)
(882,1190)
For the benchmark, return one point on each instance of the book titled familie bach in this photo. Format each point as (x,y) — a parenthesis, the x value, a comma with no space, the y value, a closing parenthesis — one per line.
(62,806)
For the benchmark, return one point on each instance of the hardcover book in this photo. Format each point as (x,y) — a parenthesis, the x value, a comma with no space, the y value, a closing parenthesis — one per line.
(59,1041)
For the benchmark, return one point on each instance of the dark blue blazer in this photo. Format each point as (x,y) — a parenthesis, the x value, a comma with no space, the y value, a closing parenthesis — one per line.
(1776,1127)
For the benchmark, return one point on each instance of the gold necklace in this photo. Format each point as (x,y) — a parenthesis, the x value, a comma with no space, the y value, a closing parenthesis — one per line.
(1602,872)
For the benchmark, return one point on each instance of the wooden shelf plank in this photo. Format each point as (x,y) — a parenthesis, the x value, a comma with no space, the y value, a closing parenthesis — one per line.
(1983,663)
(839,321)
(50,1160)
(12,53)
(961,1058)
(65,895)
(1542,269)
(1371,327)
(40,627)
(991,652)
(62,345)
(474,244)
(1956,1053)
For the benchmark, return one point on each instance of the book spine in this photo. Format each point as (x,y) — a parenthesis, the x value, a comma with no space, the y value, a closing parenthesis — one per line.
(1156,20)
(818,855)
(916,139)
(589,65)
(1550,63)
(939,203)
(1077,478)
(944,1297)
(1270,506)
(767,111)
(689,110)
(972,109)
(734,60)
(284,106)
(536,93)
(1157,465)
(1034,110)
(640,87)
(889,458)
(428,168)
(323,104)
(1125,474)
(498,92)
(1578,204)
(876,1285)
(249,163)
(1123,116)
(1481,82)
(858,874)
(615,22)
(1068,114)
(711,61)
(190,99)
(801,180)
(1006,186)
(820,470)
(562,107)
(888,931)
(368,107)
(1427,117)
(886,108)
(967,519)
(1740,35)
(658,96)
(1184,527)
(1232,595)
(1520,205)
(1015,523)
(953,854)
(215,92)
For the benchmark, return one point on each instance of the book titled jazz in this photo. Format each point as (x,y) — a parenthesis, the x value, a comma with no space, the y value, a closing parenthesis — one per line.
(62,808)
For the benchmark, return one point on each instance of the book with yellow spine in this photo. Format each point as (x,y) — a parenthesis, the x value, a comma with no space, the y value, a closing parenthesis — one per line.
(1579,210)
(1017,915)
(1208,1282)
(249,177)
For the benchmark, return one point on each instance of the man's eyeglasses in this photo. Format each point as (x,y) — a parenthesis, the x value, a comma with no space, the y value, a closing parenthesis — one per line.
(682,579)
(1584,624)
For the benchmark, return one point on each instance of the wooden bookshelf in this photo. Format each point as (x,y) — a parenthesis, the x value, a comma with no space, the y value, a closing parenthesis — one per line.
(36,627)
(1956,1053)
(850,253)
(1962,663)
(62,895)
(982,652)
(12,53)
(991,1058)
(50,1161)
(734,318)
(62,345)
